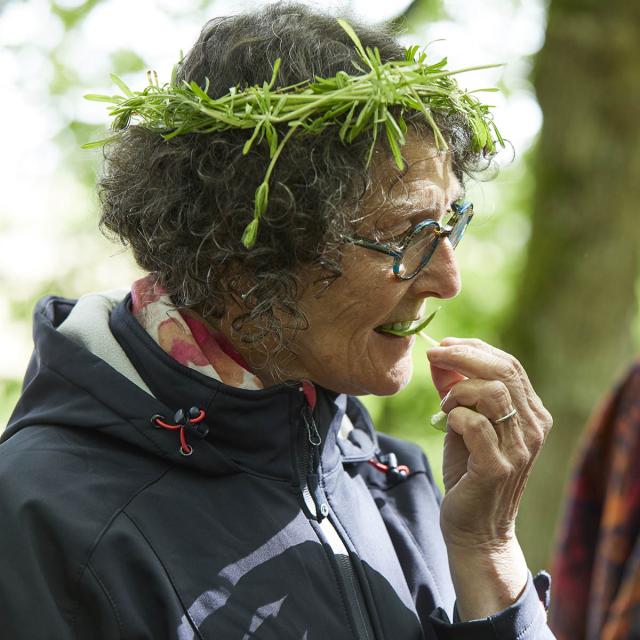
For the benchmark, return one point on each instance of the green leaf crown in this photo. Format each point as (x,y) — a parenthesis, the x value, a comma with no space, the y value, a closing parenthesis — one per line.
(354,103)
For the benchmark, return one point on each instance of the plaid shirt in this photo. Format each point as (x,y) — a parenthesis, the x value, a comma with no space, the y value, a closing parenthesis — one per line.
(597,565)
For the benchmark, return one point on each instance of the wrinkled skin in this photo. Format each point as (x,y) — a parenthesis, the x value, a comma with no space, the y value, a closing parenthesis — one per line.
(341,349)
(485,465)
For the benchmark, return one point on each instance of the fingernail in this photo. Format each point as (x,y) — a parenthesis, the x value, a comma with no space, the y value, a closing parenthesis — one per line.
(435,352)
(445,398)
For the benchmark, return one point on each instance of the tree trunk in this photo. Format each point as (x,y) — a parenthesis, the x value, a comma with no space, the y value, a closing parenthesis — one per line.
(572,325)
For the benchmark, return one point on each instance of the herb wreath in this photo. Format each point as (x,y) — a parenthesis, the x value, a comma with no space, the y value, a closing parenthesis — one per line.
(354,103)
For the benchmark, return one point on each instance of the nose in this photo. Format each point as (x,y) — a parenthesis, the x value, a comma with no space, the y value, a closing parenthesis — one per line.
(441,277)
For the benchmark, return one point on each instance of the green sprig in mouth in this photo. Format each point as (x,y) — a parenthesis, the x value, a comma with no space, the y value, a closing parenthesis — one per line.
(438,420)
(411,330)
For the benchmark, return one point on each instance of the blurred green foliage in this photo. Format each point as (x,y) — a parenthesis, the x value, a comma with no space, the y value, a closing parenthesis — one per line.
(71,16)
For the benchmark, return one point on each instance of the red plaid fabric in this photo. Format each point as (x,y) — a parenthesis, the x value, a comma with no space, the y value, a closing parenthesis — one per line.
(596,575)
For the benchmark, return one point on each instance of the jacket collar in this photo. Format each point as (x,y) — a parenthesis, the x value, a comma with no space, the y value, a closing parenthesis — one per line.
(107,376)
(256,429)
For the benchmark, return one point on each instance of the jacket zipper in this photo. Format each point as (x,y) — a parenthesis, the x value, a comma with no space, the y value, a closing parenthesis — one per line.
(317,508)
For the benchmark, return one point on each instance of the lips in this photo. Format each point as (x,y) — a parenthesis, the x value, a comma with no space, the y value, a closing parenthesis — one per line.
(404,328)
(401,325)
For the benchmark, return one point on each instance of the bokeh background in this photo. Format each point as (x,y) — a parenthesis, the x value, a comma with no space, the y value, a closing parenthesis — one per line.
(550,266)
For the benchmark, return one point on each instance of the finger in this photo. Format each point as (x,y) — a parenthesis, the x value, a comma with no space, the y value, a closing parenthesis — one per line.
(499,353)
(444,379)
(492,399)
(491,450)
(489,397)
(533,400)
(473,362)
(475,342)
(479,438)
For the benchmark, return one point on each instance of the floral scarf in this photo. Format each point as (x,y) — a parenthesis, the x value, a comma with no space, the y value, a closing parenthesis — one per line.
(187,338)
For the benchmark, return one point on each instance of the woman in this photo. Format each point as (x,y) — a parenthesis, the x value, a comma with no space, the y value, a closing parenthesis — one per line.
(189,459)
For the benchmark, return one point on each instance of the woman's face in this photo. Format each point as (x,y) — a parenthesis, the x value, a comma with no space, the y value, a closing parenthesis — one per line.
(341,349)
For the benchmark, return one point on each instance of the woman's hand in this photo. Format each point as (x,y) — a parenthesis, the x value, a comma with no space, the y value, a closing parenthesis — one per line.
(486,467)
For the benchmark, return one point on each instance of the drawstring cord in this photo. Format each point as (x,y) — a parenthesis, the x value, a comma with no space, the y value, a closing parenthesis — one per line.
(388,463)
(192,422)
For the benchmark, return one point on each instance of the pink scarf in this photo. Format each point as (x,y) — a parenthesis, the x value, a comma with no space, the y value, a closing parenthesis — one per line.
(187,338)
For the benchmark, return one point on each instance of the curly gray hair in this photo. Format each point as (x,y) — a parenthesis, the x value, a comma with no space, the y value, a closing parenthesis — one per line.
(182,204)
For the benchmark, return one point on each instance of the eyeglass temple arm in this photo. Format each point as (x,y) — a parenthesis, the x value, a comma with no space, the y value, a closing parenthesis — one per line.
(375,246)
(460,210)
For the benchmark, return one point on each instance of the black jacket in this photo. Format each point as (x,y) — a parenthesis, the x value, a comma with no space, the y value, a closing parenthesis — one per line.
(276,526)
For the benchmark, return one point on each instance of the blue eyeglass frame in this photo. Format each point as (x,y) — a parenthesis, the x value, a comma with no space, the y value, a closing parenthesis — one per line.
(454,230)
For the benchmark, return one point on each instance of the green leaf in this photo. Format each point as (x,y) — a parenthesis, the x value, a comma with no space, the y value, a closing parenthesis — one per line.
(254,135)
(95,144)
(354,36)
(122,121)
(122,86)
(394,143)
(410,52)
(374,139)
(498,134)
(95,97)
(391,121)
(261,199)
(198,90)
(363,119)
(345,125)
(272,138)
(274,75)
(402,124)
(480,133)
(342,79)
(250,234)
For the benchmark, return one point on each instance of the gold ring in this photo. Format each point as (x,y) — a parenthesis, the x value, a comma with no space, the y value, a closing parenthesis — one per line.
(506,417)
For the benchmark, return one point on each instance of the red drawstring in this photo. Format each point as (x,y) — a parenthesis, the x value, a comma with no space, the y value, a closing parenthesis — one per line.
(183,422)
(402,470)
(198,418)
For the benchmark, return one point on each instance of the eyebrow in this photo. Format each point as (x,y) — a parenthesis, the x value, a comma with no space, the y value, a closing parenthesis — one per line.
(411,209)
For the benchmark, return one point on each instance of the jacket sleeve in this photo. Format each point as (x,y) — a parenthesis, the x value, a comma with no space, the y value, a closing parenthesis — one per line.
(526,619)
(410,510)
(45,587)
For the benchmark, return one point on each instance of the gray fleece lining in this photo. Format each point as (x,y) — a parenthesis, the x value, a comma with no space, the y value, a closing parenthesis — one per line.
(88,326)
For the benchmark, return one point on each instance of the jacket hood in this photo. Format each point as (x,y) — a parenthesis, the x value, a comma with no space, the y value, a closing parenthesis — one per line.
(83,374)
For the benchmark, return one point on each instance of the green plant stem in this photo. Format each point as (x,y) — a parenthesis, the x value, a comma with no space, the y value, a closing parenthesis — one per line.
(284,141)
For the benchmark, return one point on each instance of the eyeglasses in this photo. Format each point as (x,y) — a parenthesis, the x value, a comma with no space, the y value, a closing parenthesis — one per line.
(421,241)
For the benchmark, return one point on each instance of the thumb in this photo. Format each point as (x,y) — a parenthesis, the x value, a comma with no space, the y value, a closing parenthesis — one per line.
(444,379)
